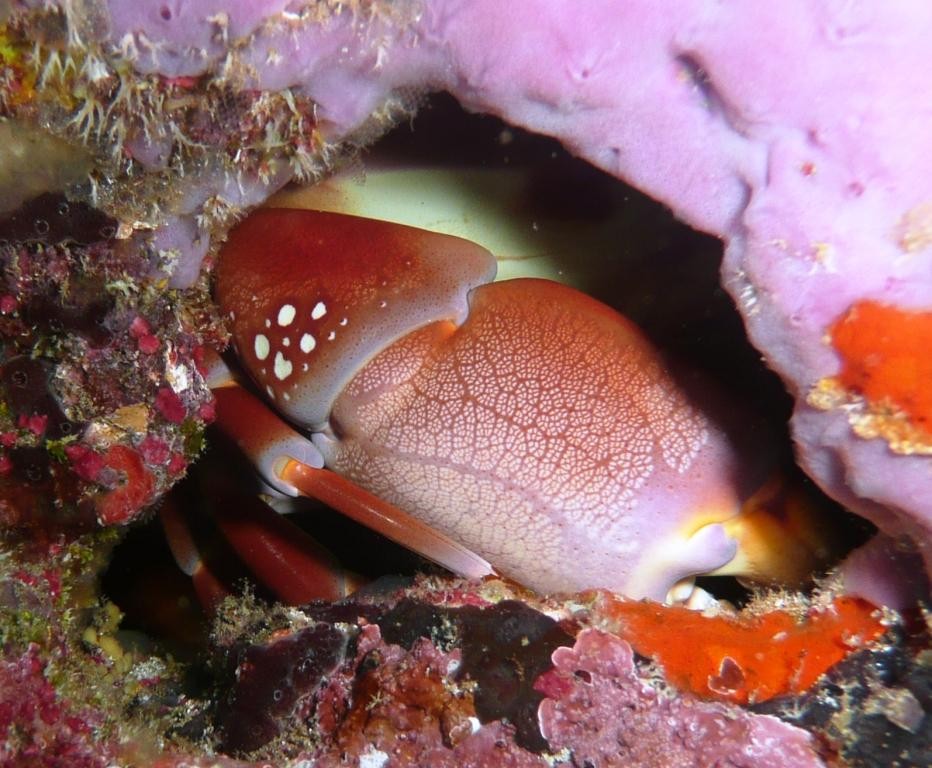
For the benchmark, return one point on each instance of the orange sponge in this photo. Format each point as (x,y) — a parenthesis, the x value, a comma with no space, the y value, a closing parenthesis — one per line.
(887,355)
(745,659)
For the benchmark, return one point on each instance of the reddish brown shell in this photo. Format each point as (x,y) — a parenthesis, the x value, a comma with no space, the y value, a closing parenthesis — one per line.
(314,296)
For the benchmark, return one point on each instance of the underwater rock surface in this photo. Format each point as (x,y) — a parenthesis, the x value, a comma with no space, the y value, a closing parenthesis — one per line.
(875,707)
(423,681)
(103,406)
(597,704)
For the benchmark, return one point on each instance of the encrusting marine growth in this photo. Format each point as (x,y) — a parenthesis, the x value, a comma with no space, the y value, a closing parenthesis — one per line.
(886,360)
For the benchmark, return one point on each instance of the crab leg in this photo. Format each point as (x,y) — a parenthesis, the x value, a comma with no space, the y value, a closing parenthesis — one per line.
(291,464)
(209,588)
(385,519)
(282,557)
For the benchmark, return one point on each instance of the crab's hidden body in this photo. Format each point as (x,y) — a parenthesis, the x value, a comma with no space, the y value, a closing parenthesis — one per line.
(523,420)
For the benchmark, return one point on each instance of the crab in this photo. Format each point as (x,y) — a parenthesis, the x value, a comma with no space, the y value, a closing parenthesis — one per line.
(516,428)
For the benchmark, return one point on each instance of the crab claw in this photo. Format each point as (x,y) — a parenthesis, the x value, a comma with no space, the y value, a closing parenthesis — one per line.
(781,533)
(273,447)
(302,339)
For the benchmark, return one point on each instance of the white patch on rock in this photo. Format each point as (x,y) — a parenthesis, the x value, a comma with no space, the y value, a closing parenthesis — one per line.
(373,758)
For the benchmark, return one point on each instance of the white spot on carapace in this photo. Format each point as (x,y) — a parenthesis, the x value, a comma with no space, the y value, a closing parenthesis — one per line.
(286,314)
(268,323)
(307,344)
(304,366)
(286,396)
(282,367)
(383,304)
(320,309)
(261,346)
(286,342)
(344,321)
(269,391)
(331,336)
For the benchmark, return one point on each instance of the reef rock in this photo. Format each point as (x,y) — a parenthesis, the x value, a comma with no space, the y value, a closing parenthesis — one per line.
(596,702)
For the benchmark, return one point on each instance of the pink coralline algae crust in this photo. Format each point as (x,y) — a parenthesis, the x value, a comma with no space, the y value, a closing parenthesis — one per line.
(37,727)
(597,705)
(797,132)
(101,402)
